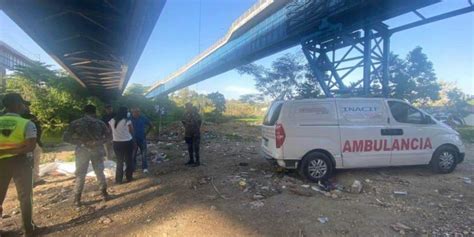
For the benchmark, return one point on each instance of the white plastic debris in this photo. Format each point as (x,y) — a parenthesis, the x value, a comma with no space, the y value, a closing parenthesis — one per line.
(69,168)
(323,220)
(401,193)
(256,204)
(356,187)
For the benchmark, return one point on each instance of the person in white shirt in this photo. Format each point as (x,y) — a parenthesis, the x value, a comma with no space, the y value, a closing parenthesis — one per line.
(122,131)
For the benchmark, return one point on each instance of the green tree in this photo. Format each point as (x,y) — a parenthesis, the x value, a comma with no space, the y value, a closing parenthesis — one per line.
(252,99)
(287,78)
(218,100)
(136,89)
(414,78)
(56,98)
(458,102)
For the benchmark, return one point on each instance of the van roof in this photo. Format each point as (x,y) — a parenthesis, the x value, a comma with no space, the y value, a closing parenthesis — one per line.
(341,99)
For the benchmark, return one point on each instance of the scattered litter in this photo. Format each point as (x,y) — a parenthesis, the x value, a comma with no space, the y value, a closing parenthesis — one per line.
(400,227)
(256,204)
(467,180)
(368,181)
(105,220)
(148,220)
(258,197)
(301,192)
(159,158)
(325,185)
(243,164)
(356,187)
(400,193)
(213,208)
(217,191)
(242,183)
(383,204)
(323,220)
(266,188)
(317,189)
(305,185)
(205,180)
(253,169)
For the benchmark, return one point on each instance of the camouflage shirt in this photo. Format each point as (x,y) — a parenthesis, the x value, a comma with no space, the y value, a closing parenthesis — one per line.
(192,124)
(87,132)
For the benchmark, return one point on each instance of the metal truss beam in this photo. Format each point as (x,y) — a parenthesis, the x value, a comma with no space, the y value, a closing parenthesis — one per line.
(334,62)
(366,50)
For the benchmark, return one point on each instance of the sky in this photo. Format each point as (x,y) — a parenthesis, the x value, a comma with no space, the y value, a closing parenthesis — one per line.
(179,35)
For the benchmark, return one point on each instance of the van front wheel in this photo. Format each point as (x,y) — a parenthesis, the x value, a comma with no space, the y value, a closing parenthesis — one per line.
(444,160)
(316,166)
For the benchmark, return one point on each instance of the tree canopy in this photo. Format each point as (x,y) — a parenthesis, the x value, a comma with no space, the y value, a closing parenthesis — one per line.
(413,78)
(287,78)
(56,98)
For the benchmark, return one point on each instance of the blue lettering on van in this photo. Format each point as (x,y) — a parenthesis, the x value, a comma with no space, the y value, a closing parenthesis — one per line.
(360,109)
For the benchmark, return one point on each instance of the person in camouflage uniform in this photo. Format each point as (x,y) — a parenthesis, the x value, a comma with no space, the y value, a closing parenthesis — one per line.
(89,135)
(192,133)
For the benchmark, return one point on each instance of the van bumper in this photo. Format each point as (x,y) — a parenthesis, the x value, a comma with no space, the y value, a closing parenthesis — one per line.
(287,164)
(461,157)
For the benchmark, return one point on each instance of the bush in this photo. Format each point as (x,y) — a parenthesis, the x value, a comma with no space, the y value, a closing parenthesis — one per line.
(467,133)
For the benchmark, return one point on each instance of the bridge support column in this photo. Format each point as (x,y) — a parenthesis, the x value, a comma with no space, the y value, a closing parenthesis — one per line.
(355,63)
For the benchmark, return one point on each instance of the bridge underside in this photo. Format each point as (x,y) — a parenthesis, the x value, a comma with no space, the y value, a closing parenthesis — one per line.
(346,43)
(98,42)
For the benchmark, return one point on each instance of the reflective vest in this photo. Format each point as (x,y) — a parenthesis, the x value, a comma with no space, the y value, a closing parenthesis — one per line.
(12,133)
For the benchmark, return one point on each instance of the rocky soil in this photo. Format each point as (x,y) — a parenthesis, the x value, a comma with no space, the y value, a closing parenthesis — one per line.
(237,193)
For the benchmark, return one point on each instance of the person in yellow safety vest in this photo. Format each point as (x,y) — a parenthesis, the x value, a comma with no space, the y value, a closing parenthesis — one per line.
(17,138)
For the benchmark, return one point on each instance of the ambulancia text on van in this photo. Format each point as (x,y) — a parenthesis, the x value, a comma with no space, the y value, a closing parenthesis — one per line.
(317,136)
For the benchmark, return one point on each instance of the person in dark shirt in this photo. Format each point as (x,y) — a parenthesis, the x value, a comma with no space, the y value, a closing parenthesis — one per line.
(141,127)
(192,133)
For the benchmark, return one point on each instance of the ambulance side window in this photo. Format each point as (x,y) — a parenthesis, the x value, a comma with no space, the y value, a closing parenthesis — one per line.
(404,113)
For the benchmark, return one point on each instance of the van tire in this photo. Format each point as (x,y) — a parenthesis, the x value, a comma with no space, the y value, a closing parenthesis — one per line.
(444,160)
(315,160)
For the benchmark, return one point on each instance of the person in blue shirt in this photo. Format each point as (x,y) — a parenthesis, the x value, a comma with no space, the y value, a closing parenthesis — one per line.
(142,126)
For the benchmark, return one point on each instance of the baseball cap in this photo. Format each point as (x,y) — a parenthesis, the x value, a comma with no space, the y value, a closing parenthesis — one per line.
(12,99)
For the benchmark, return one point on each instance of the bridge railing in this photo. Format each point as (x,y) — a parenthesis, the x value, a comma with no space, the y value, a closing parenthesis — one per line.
(256,8)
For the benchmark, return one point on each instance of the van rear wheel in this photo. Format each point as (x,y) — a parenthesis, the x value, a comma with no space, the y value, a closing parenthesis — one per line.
(316,166)
(444,160)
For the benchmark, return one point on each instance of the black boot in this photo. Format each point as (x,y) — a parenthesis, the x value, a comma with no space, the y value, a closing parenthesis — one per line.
(190,162)
(197,163)
(105,195)
(77,200)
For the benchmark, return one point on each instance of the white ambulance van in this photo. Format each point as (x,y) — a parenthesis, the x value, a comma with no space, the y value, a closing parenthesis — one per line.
(317,136)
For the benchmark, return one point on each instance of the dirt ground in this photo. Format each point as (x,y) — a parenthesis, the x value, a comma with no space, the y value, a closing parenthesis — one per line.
(237,193)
